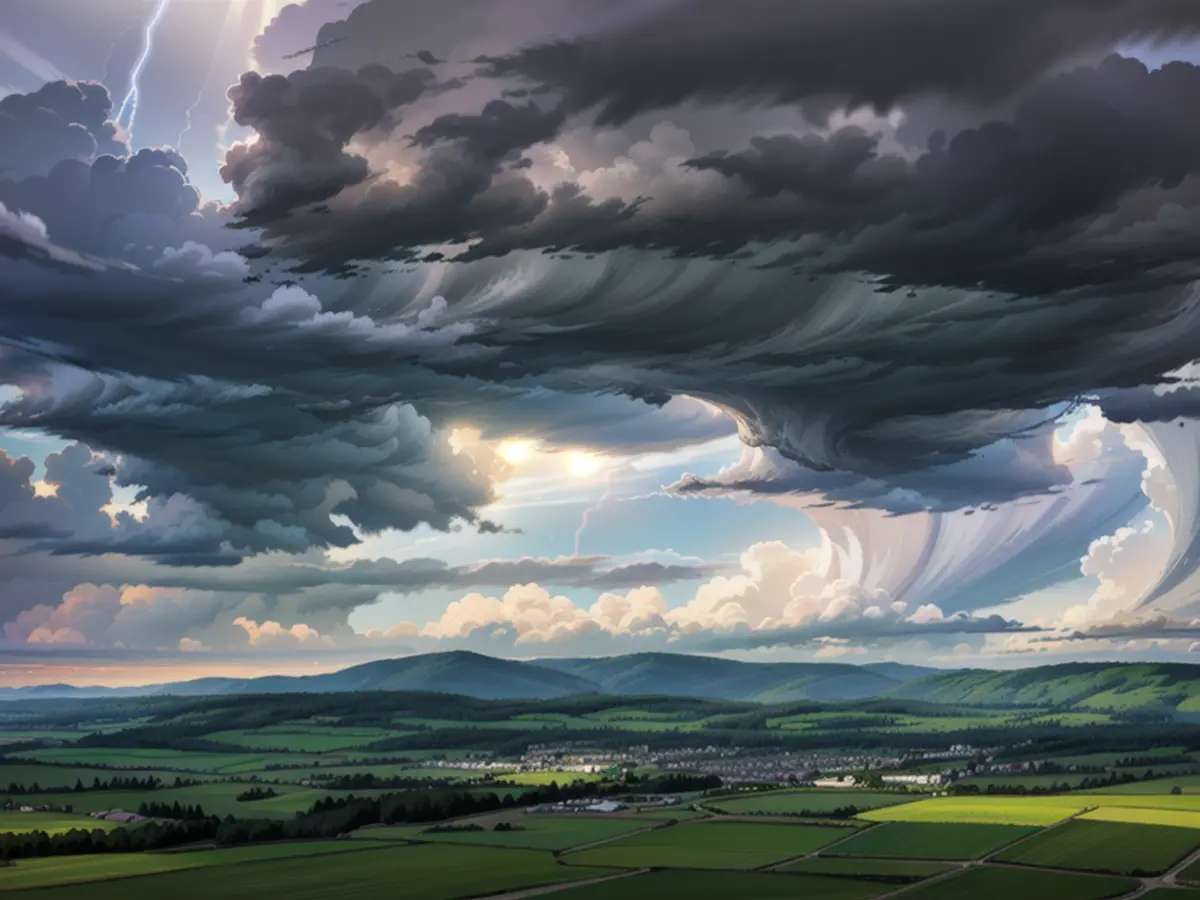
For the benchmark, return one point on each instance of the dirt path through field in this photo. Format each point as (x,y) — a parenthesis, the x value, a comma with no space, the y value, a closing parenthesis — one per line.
(1170,877)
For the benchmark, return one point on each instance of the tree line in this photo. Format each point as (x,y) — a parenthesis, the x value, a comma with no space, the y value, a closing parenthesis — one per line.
(325,819)
(115,783)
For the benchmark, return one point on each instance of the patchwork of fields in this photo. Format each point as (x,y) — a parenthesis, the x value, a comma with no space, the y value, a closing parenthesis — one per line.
(789,842)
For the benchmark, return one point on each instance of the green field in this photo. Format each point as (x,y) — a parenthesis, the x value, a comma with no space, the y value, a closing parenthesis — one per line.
(1189,784)
(1106,847)
(302,739)
(1144,816)
(536,831)
(1191,874)
(899,870)
(1031,811)
(930,840)
(38,873)
(710,845)
(50,822)
(433,872)
(537,779)
(728,886)
(1181,802)
(1020,884)
(816,802)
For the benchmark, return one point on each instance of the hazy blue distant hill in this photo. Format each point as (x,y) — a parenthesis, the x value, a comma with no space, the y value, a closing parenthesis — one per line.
(901,671)
(725,679)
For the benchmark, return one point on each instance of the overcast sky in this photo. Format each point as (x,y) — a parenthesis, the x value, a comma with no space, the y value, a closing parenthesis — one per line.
(848,330)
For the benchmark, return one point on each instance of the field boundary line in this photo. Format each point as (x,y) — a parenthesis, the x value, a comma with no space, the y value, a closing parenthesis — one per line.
(607,840)
(1065,871)
(562,886)
(854,832)
(952,873)
(1025,837)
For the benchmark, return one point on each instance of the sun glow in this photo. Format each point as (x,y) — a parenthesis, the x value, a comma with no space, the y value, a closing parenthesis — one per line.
(583,465)
(514,452)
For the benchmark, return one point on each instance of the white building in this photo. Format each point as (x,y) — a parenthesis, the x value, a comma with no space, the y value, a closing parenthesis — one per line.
(936,778)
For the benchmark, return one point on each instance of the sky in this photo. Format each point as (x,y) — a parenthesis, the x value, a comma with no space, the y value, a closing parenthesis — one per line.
(838,331)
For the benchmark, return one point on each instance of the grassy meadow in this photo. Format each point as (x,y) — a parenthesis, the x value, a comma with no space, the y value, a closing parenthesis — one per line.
(710,845)
(436,872)
(1116,848)
(931,840)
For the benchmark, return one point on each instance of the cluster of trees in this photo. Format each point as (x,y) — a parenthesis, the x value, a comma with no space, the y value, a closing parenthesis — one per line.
(256,793)
(1137,762)
(1021,790)
(365,781)
(1050,767)
(78,841)
(171,811)
(115,783)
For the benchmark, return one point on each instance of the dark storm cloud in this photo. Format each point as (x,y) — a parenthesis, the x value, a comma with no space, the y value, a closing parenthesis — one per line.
(873,52)
(253,419)
(459,193)
(291,472)
(304,122)
(73,510)
(62,120)
(1009,206)
(130,208)
(1028,206)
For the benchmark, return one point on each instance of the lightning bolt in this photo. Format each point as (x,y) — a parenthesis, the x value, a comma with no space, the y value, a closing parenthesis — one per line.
(587,513)
(187,115)
(131,97)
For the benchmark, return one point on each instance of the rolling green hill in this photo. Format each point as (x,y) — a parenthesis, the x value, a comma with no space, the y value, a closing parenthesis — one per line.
(1119,687)
(456,672)
(724,679)
(1159,689)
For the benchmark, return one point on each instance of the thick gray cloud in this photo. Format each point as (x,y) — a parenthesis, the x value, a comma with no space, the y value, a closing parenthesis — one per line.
(893,329)
(131,208)
(875,52)
(304,122)
(62,120)
(1008,205)
(293,32)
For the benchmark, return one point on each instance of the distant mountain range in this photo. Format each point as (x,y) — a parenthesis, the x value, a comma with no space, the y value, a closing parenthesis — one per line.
(489,678)
(1096,686)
